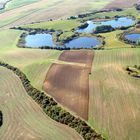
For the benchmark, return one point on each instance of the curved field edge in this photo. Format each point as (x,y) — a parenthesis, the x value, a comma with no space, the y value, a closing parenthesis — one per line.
(22,117)
(52,109)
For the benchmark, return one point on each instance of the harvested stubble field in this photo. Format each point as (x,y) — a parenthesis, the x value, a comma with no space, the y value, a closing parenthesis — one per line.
(22,117)
(114,95)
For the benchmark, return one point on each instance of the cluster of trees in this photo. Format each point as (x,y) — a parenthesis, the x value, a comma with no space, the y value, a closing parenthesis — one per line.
(98,11)
(137,6)
(39,30)
(52,109)
(21,41)
(103,29)
(85,25)
(134,70)
(55,48)
(1,118)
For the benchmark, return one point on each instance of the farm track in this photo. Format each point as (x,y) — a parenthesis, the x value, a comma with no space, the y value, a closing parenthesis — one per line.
(68,82)
(83,57)
(23,118)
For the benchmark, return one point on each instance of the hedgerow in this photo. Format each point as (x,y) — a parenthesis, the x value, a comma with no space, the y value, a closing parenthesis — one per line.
(53,110)
(1,118)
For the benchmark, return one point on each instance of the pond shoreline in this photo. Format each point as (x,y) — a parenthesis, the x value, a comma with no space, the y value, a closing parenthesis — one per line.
(122,37)
(4,5)
(60,44)
(97,22)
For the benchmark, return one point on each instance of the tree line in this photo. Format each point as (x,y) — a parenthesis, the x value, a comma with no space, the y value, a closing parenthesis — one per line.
(1,118)
(53,110)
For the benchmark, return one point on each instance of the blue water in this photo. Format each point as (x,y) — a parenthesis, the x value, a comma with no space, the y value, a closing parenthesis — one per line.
(115,23)
(39,40)
(83,42)
(132,37)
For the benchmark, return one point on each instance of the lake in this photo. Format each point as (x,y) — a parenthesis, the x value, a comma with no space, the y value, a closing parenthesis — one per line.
(83,42)
(115,23)
(39,40)
(133,37)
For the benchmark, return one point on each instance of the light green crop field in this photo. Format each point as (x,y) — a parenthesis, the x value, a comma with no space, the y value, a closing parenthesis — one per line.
(114,95)
(112,40)
(64,25)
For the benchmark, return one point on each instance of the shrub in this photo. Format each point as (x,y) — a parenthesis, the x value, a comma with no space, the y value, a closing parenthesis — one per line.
(104,29)
(1,118)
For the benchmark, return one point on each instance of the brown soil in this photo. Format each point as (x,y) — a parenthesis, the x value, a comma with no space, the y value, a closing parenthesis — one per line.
(69,85)
(122,4)
(85,57)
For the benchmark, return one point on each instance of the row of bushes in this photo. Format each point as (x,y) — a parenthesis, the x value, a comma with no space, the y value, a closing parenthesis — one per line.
(134,70)
(94,12)
(1,118)
(33,29)
(53,110)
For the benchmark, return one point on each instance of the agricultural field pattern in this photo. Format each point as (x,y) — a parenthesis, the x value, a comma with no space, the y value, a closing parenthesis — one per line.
(69,70)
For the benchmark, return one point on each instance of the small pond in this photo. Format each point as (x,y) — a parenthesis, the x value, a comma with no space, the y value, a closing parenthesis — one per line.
(83,42)
(133,37)
(39,40)
(115,23)
(43,40)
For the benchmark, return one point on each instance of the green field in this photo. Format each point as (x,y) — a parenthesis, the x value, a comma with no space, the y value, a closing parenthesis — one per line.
(114,95)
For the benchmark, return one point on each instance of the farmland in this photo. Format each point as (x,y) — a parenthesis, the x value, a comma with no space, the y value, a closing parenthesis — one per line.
(90,84)
(114,95)
(23,118)
(38,11)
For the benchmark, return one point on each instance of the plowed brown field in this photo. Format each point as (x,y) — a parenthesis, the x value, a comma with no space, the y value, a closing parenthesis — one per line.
(69,84)
(85,57)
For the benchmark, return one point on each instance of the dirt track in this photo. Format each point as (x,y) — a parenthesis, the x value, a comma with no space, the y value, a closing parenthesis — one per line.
(69,84)
(122,4)
(85,57)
